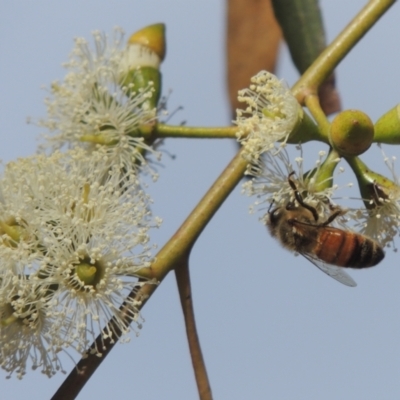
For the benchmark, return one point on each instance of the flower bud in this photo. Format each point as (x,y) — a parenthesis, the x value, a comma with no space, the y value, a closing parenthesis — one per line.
(351,133)
(387,128)
(145,52)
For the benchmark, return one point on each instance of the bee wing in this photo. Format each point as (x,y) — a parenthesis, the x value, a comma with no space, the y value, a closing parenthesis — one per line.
(333,271)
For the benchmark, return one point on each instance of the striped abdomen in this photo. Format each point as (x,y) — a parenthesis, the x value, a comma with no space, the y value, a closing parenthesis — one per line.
(347,249)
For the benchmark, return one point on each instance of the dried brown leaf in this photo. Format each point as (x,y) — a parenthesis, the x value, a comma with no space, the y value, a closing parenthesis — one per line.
(253,38)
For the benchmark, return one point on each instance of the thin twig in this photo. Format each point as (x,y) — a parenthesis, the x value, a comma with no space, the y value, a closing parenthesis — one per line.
(185,294)
(183,131)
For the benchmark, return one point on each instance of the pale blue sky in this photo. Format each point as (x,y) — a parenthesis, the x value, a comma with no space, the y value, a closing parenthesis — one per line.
(271,325)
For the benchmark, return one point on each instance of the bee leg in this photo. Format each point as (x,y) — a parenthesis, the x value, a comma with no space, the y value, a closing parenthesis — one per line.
(333,216)
(270,206)
(300,200)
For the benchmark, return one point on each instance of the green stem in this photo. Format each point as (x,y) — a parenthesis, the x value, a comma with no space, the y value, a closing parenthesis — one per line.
(327,61)
(182,241)
(306,131)
(323,175)
(313,104)
(181,131)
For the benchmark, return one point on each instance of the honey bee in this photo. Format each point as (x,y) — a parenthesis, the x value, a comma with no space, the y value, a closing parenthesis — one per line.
(298,229)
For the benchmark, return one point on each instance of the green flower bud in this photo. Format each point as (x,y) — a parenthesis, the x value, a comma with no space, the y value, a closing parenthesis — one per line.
(145,52)
(387,128)
(351,133)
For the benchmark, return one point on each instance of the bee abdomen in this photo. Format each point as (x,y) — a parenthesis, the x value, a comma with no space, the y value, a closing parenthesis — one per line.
(348,249)
(366,253)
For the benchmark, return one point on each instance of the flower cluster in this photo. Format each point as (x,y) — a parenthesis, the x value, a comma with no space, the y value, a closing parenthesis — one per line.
(74,233)
(271,115)
(95,105)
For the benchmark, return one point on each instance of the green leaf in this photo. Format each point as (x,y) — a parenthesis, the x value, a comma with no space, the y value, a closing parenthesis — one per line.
(302,27)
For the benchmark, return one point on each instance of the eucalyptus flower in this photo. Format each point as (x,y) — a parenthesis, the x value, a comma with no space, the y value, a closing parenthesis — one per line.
(272,113)
(25,327)
(92,107)
(82,237)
